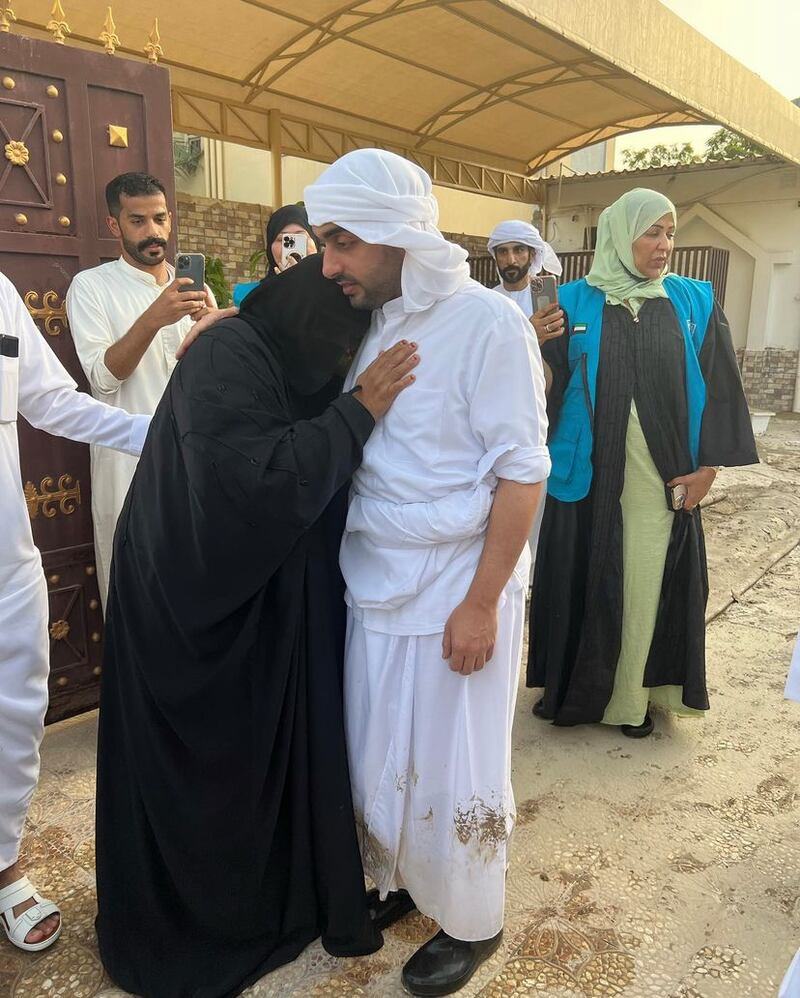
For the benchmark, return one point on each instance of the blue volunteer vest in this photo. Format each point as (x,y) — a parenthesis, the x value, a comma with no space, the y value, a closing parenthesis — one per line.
(572,441)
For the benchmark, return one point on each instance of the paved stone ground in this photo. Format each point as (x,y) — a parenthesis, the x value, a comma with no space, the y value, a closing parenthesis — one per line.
(668,868)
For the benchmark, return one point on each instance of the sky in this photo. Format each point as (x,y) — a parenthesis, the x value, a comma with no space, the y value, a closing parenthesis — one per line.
(764,36)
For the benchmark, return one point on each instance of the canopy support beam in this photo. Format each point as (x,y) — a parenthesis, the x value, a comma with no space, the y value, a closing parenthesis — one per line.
(231,121)
(276,155)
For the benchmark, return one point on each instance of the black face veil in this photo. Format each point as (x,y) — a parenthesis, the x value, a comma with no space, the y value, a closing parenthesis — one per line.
(308,323)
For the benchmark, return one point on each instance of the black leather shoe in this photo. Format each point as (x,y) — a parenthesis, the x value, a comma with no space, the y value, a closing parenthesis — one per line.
(444,965)
(386,913)
(538,709)
(639,730)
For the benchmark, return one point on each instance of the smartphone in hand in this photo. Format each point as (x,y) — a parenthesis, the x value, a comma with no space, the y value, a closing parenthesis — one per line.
(676,497)
(294,245)
(544,292)
(191,265)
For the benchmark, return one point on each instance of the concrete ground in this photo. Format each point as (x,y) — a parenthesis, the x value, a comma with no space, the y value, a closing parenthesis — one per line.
(667,868)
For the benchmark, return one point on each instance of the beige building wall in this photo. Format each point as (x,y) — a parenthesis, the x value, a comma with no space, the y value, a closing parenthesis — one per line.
(739,290)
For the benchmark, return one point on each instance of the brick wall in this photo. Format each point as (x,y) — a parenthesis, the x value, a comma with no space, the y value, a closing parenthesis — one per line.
(769,378)
(231,230)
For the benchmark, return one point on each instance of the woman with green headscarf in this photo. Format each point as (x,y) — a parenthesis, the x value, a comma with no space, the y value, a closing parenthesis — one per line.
(646,402)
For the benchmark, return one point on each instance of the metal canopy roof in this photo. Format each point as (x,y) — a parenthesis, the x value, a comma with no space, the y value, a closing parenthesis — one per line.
(483,93)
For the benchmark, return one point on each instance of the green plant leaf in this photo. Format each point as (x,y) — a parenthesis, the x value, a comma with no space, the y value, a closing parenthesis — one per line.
(216,280)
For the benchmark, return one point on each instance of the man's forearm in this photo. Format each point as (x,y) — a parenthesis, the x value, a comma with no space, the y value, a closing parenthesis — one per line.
(510,523)
(122,358)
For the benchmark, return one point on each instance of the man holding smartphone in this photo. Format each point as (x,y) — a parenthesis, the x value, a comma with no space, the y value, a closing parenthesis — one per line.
(128,318)
(520,254)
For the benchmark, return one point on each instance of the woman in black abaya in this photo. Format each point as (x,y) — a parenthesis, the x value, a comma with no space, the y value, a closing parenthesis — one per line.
(620,586)
(225,832)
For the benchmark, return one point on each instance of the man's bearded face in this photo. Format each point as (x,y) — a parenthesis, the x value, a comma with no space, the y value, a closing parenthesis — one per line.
(368,274)
(143,228)
(513,261)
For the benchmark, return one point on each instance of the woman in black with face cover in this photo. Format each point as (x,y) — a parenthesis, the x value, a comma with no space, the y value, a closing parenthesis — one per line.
(291,218)
(225,835)
(287,220)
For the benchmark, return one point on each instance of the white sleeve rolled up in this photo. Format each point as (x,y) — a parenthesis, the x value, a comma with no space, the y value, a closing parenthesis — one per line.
(508,406)
(92,336)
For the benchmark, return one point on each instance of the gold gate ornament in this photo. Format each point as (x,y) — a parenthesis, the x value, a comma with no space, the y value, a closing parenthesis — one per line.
(118,136)
(57,25)
(17,153)
(53,312)
(51,500)
(109,36)
(153,49)
(59,630)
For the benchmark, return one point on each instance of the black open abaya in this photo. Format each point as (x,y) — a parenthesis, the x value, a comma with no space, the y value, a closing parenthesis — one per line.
(577,596)
(225,832)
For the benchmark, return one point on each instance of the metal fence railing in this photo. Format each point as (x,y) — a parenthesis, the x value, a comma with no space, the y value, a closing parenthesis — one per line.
(483,270)
(704,263)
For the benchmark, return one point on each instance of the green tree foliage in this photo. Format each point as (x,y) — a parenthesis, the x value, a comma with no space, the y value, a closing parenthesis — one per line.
(676,154)
(725,144)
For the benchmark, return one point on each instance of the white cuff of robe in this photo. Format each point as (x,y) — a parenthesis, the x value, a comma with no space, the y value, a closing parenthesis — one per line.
(141,424)
(526,465)
(102,379)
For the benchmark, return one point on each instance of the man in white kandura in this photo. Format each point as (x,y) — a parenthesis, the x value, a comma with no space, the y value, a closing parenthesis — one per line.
(520,253)
(33,383)
(128,318)
(436,563)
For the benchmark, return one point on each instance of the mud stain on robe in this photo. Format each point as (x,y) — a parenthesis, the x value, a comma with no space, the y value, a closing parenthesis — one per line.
(481,824)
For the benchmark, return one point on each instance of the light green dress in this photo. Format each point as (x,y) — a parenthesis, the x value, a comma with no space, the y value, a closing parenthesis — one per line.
(646,529)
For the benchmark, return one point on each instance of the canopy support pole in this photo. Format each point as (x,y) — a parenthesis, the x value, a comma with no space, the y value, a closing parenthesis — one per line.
(276,156)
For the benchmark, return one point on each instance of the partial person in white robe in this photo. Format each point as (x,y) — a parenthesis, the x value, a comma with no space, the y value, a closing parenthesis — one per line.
(520,254)
(435,561)
(128,318)
(33,383)
(790,988)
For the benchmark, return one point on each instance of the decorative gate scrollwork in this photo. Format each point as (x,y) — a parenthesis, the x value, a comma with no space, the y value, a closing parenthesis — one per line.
(53,312)
(49,500)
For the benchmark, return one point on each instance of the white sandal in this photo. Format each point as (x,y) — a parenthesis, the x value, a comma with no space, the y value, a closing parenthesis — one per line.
(18,928)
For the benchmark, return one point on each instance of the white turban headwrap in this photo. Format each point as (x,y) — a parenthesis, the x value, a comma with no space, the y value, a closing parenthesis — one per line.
(514,231)
(385,199)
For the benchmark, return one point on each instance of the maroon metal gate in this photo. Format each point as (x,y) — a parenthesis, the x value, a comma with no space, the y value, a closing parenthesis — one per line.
(70,120)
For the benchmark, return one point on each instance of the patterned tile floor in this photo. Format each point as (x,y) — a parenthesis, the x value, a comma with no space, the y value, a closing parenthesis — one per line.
(668,868)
